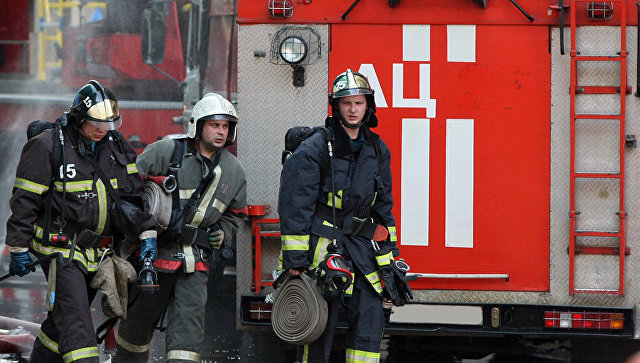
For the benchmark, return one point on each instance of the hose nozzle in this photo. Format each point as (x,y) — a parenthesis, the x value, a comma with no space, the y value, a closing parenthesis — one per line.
(148,278)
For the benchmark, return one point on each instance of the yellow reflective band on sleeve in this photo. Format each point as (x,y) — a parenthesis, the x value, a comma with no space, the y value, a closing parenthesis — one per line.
(392,234)
(374,279)
(219,205)
(102,206)
(338,199)
(131,168)
(280,261)
(320,252)
(114,183)
(131,347)
(47,342)
(30,186)
(81,353)
(375,195)
(295,243)
(184,355)
(384,260)
(361,356)
(75,186)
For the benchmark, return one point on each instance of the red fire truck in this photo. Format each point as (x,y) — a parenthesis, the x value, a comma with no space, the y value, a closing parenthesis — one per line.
(511,126)
(512,131)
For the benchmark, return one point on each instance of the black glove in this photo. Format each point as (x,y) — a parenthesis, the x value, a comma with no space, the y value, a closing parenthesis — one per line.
(384,258)
(390,288)
(396,287)
(400,269)
(19,264)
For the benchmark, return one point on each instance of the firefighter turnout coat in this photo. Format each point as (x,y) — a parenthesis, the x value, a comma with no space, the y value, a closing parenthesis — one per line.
(362,190)
(86,200)
(361,183)
(226,191)
(68,332)
(183,266)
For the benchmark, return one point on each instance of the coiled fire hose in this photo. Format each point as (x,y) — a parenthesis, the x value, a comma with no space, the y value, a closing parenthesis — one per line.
(159,203)
(299,313)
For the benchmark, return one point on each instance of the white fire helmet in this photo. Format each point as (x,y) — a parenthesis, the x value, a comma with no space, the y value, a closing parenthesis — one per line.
(213,106)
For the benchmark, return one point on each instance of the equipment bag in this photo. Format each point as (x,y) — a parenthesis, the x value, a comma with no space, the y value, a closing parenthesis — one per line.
(297,134)
(57,159)
(126,210)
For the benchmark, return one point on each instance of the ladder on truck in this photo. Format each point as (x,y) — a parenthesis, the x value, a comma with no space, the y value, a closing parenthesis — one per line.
(595,247)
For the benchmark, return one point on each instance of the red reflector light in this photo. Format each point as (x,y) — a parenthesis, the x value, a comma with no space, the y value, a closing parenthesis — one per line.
(600,10)
(280,8)
(583,320)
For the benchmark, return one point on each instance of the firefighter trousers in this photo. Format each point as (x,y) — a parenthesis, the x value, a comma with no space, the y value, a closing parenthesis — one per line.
(184,297)
(67,334)
(365,319)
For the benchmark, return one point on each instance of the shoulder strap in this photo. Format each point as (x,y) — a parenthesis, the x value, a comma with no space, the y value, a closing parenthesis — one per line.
(103,177)
(203,183)
(57,156)
(179,149)
(376,147)
(327,132)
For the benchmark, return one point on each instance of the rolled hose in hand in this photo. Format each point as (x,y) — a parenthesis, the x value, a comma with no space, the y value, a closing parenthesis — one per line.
(299,313)
(160,204)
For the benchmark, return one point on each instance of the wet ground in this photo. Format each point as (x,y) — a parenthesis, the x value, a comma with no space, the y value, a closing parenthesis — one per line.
(24,298)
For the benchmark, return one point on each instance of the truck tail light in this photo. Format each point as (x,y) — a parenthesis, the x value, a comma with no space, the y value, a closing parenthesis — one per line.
(583,320)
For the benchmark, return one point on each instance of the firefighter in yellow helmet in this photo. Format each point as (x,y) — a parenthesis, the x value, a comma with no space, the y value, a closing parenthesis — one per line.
(211,182)
(355,186)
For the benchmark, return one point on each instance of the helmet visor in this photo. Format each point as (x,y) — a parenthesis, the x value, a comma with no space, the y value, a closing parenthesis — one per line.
(223,117)
(104,115)
(105,125)
(352,92)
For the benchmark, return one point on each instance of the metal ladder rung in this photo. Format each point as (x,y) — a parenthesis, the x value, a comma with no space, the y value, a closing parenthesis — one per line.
(597,175)
(596,116)
(598,291)
(600,90)
(596,234)
(617,250)
(599,58)
(601,250)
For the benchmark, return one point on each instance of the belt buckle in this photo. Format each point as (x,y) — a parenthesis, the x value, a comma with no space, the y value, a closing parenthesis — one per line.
(87,195)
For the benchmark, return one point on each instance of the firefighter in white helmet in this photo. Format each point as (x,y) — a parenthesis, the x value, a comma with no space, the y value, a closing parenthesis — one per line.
(211,183)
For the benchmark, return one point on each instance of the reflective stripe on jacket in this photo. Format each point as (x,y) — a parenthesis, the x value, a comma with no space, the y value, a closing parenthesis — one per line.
(227,191)
(359,185)
(86,202)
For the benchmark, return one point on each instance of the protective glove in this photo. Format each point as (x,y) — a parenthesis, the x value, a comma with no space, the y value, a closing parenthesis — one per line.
(148,247)
(389,285)
(400,269)
(19,262)
(216,238)
(384,258)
